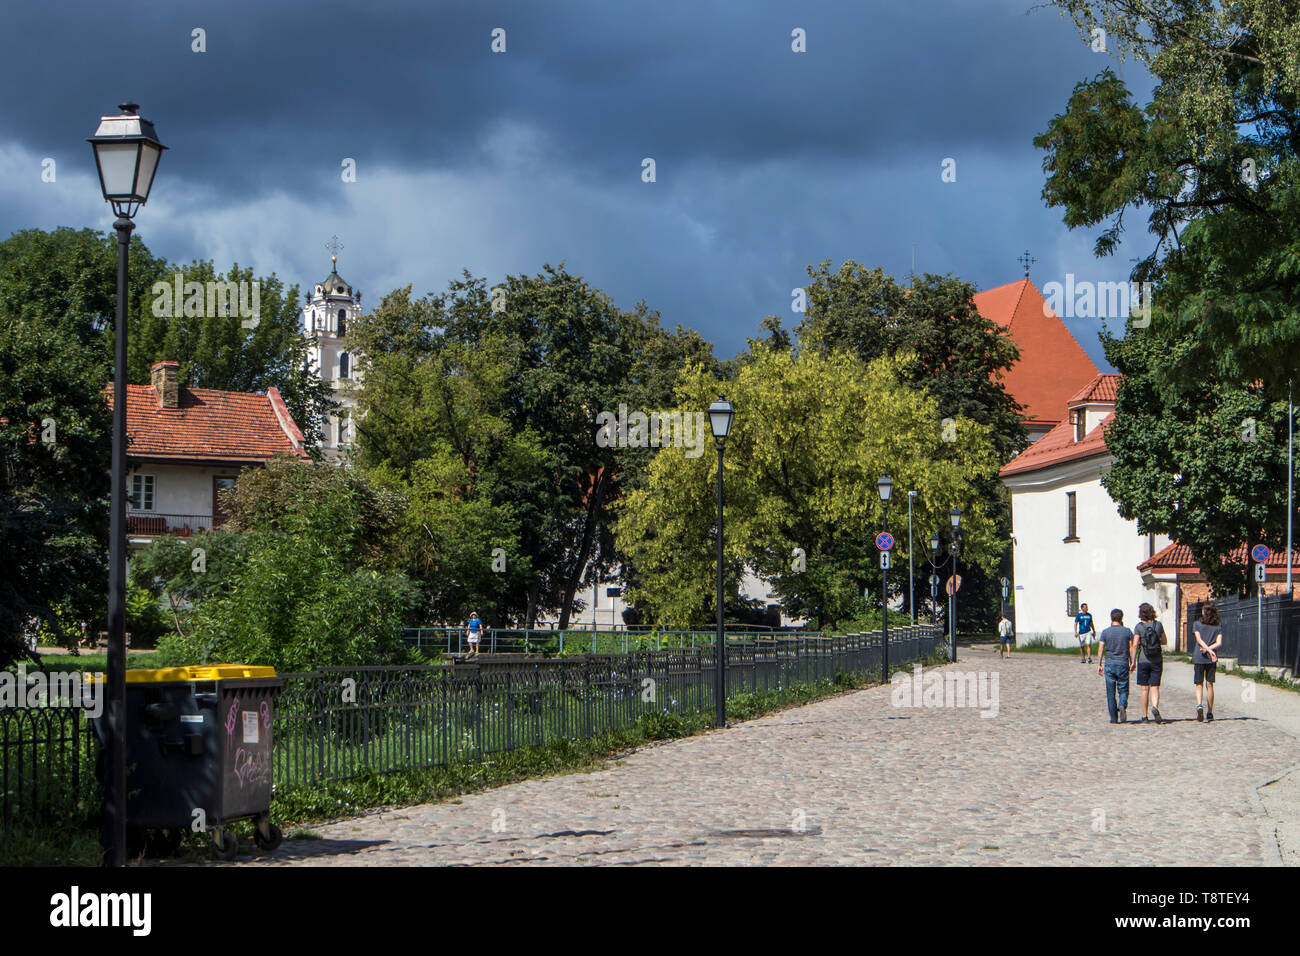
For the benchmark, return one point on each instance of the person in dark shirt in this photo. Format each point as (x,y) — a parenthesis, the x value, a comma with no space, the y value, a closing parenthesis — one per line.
(1116,650)
(1083,626)
(1150,635)
(1207,638)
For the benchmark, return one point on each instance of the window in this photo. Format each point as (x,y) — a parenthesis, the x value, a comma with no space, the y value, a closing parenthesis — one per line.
(1151,544)
(343,430)
(1071,602)
(1080,419)
(1071,517)
(343,323)
(343,365)
(142,492)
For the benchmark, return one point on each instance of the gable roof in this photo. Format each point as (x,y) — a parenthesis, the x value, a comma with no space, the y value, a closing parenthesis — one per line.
(1059,446)
(1102,390)
(210,425)
(1052,366)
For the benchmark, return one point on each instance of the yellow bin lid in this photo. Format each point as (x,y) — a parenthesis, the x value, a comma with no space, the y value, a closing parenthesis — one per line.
(198,672)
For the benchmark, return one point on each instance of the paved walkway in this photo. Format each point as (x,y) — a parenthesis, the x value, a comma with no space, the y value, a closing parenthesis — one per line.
(856,780)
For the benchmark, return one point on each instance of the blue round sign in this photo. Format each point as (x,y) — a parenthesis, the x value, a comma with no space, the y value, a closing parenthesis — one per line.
(884,541)
(1260,553)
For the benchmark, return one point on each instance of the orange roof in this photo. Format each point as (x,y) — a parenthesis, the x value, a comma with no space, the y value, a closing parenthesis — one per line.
(1178,559)
(210,425)
(1052,365)
(1101,390)
(1059,446)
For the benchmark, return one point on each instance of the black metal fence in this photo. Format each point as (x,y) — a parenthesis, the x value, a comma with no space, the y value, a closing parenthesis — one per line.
(1242,637)
(335,723)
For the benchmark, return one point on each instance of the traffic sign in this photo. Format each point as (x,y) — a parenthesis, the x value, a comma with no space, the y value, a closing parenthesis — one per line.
(884,560)
(1259,573)
(954,584)
(884,541)
(1260,552)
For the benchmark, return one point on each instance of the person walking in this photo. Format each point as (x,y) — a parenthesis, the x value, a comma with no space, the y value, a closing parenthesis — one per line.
(1005,640)
(1117,646)
(1208,637)
(1083,626)
(473,632)
(1151,658)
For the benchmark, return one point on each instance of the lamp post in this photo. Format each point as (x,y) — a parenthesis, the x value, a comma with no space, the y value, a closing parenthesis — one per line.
(127,151)
(886,488)
(721,413)
(1005,588)
(955,516)
(911,573)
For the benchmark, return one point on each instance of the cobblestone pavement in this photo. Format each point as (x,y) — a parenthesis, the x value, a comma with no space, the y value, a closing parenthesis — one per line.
(856,780)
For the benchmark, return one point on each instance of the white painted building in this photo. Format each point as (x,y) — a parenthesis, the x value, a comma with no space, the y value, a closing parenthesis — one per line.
(1070,545)
(332,306)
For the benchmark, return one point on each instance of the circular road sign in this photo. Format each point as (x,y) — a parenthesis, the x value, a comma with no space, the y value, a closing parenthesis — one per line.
(1260,552)
(884,541)
(954,584)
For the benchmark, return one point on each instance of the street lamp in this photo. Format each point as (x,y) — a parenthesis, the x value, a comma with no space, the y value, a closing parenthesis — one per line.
(127,151)
(911,573)
(886,489)
(1006,585)
(721,413)
(955,517)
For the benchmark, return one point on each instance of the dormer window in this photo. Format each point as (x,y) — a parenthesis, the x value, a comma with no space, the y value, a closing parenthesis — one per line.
(1079,420)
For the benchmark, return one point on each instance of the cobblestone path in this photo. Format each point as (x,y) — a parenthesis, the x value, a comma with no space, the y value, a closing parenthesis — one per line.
(856,780)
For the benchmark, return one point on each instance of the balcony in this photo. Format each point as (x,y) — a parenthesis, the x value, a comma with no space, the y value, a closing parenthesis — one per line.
(153,524)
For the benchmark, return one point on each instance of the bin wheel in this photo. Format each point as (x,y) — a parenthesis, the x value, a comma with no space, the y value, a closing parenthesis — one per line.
(226,847)
(270,842)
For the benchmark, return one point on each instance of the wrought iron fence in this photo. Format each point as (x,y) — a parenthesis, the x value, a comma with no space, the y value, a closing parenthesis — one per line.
(335,723)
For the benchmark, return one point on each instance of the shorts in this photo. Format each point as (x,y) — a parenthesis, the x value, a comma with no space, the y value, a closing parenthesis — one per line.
(1203,672)
(473,638)
(1006,639)
(1148,673)
(1084,638)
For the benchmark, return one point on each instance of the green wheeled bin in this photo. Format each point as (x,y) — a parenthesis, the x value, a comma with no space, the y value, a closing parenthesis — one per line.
(199,754)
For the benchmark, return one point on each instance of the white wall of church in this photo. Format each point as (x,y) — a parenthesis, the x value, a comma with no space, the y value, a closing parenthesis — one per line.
(1102,563)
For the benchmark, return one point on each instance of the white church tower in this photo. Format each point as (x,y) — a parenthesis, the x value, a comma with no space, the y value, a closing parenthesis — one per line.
(332,306)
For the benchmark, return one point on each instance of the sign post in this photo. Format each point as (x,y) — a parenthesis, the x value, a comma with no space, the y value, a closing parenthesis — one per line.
(1261,554)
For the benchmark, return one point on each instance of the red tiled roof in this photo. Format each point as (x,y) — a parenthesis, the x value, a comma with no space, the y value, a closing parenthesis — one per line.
(1058,446)
(209,425)
(1052,365)
(1102,389)
(1178,559)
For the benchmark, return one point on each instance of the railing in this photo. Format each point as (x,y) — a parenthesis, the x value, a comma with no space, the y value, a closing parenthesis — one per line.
(337,722)
(154,524)
(453,640)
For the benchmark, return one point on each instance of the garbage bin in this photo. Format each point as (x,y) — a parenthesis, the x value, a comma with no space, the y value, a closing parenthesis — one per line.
(198,753)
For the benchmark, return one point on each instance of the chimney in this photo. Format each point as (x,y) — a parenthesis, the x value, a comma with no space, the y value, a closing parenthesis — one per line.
(166,382)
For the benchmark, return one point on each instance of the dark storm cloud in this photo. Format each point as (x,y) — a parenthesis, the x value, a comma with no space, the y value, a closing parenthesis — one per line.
(767,159)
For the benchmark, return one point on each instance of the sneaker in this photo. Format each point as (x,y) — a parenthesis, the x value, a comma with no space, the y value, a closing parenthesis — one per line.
(1144,720)
(1200,714)
(1123,715)
(1156,711)
(1209,716)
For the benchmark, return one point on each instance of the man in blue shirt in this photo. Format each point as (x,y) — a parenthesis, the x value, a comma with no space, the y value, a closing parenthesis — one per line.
(1083,626)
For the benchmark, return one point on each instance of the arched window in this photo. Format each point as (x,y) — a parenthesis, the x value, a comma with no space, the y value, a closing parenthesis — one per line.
(343,364)
(343,322)
(1071,601)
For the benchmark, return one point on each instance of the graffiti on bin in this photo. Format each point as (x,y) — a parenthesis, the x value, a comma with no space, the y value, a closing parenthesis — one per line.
(266,714)
(232,718)
(252,767)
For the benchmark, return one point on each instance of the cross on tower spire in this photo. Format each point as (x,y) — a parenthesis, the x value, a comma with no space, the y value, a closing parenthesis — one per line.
(334,246)
(1026,260)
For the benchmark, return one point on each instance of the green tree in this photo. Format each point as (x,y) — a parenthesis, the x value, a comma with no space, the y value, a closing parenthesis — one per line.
(813,433)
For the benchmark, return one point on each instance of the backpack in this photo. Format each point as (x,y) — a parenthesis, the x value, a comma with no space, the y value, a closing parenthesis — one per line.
(1151,633)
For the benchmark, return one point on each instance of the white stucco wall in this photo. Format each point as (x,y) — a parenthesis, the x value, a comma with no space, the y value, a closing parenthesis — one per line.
(1102,564)
(180,489)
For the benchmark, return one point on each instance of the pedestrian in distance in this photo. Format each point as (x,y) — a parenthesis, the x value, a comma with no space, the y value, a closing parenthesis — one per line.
(1116,646)
(1083,626)
(1205,658)
(473,632)
(1005,640)
(1151,658)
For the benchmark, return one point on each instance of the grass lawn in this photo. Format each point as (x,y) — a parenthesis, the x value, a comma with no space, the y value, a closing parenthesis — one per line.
(90,662)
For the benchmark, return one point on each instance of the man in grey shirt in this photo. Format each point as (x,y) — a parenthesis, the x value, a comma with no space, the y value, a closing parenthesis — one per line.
(1118,647)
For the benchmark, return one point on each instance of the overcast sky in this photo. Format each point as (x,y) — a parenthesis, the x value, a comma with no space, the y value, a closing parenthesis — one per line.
(766,160)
